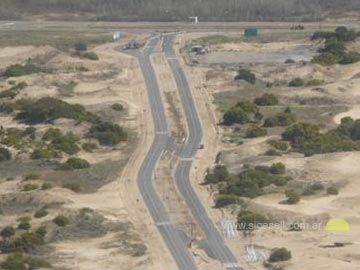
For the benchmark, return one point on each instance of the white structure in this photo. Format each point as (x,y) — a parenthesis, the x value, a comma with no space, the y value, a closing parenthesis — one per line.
(116,36)
(196,19)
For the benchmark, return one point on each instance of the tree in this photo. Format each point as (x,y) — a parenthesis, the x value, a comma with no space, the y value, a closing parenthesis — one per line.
(255,131)
(292,196)
(279,255)
(266,100)
(7,232)
(250,221)
(278,168)
(219,174)
(246,75)
(235,116)
(61,221)
(5,154)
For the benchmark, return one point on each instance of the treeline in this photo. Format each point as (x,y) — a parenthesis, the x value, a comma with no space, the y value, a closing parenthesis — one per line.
(158,10)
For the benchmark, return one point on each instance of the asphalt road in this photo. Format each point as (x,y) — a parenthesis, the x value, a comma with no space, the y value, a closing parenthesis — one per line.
(215,244)
(162,141)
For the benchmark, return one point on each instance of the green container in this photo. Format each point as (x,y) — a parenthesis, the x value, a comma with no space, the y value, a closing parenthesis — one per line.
(251,32)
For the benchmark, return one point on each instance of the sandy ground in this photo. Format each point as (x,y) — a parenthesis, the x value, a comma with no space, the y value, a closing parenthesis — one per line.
(114,78)
(340,169)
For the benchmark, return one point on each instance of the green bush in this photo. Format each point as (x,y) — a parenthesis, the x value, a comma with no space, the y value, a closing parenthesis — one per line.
(5,154)
(21,70)
(297,82)
(91,56)
(41,231)
(46,186)
(246,75)
(344,34)
(279,145)
(7,232)
(41,213)
(217,175)
(322,35)
(280,120)
(266,100)
(72,186)
(249,221)
(224,200)
(30,187)
(292,196)
(273,152)
(61,221)
(250,182)
(279,255)
(66,143)
(278,168)
(315,82)
(243,112)
(117,107)
(350,58)
(325,59)
(108,133)
(89,147)
(49,109)
(255,132)
(24,225)
(75,164)
(332,191)
(18,261)
(44,153)
(32,176)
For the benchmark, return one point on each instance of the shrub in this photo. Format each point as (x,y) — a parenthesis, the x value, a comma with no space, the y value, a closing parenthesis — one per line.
(80,46)
(44,153)
(18,261)
(315,82)
(279,255)
(255,131)
(301,131)
(322,35)
(75,164)
(21,70)
(91,56)
(30,187)
(246,75)
(117,107)
(41,231)
(218,174)
(5,154)
(325,59)
(350,58)
(66,143)
(7,232)
(249,221)
(72,186)
(297,82)
(280,120)
(273,152)
(223,200)
(108,133)
(51,134)
(317,186)
(279,145)
(278,168)
(344,34)
(89,147)
(235,116)
(290,61)
(41,213)
(46,186)
(61,221)
(24,225)
(266,100)
(32,176)
(332,191)
(292,196)
(49,109)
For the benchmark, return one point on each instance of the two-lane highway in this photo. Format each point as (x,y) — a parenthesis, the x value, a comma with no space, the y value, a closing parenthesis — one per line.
(170,234)
(215,243)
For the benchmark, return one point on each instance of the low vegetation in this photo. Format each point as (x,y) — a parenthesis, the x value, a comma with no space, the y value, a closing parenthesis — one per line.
(250,182)
(21,70)
(243,112)
(307,139)
(107,133)
(255,131)
(5,154)
(74,163)
(279,255)
(249,221)
(283,119)
(334,50)
(61,221)
(266,100)
(246,75)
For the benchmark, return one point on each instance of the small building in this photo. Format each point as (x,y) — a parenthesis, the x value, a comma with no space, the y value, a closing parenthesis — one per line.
(251,32)
(198,49)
